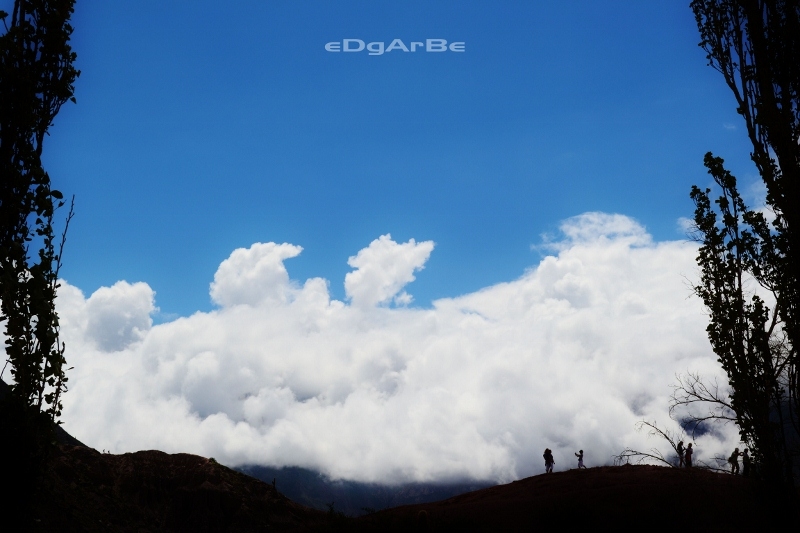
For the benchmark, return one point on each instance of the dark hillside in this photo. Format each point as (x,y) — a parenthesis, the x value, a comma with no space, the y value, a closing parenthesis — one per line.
(641,498)
(151,491)
(61,435)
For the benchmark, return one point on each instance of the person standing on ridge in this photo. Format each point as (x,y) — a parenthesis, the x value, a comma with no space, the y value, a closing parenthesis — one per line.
(734,461)
(746,463)
(689,452)
(548,461)
(680,449)
(580,460)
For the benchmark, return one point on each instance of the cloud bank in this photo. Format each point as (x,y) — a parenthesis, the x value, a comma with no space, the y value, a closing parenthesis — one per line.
(569,356)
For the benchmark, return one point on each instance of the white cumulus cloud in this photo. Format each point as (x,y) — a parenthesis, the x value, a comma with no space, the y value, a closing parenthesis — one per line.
(254,275)
(382,269)
(568,356)
(112,318)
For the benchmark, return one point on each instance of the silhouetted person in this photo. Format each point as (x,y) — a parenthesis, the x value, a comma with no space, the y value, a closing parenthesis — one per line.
(746,463)
(548,461)
(734,461)
(580,460)
(422,521)
(689,452)
(681,451)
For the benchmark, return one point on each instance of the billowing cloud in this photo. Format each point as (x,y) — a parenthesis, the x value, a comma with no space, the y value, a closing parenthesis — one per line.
(254,275)
(602,227)
(113,317)
(569,356)
(383,269)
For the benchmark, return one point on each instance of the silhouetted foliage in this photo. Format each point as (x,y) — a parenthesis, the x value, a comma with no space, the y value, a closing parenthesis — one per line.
(749,280)
(740,256)
(755,45)
(36,79)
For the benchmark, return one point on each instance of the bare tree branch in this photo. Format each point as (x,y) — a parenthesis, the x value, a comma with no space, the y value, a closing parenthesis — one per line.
(654,454)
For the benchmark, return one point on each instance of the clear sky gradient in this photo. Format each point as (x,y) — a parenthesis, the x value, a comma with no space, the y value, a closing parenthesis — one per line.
(543,174)
(202,127)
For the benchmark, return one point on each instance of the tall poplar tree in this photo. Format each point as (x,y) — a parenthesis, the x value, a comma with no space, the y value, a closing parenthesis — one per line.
(755,45)
(36,79)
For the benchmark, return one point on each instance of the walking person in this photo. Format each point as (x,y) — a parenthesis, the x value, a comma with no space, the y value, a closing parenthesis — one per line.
(548,461)
(689,452)
(746,463)
(734,461)
(681,450)
(580,460)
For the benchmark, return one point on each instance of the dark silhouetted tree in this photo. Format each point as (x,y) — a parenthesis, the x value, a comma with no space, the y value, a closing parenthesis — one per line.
(36,79)
(739,258)
(748,282)
(755,45)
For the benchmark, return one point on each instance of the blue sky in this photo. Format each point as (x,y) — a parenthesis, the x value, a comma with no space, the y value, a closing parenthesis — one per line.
(204,127)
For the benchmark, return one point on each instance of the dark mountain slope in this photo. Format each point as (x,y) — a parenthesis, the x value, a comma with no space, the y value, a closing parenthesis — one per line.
(155,492)
(621,498)
(151,491)
(61,435)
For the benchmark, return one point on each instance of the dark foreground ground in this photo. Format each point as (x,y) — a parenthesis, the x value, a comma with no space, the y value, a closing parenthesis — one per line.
(624,498)
(150,491)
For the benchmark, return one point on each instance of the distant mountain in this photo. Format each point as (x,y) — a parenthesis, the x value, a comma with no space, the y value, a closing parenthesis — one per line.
(352,498)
